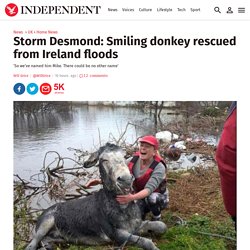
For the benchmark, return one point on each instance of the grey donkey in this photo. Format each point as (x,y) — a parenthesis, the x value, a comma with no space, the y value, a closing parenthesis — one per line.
(99,219)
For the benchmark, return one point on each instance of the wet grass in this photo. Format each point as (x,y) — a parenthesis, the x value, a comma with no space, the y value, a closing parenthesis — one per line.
(200,232)
(23,221)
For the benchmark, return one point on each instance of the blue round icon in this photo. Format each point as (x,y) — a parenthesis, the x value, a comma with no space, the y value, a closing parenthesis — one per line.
(32,88)
(19,88)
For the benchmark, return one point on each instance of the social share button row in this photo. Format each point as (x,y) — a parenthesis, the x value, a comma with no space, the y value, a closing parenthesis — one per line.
(33,88)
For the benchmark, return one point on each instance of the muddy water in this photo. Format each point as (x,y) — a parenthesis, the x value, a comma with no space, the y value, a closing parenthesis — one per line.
(82,127)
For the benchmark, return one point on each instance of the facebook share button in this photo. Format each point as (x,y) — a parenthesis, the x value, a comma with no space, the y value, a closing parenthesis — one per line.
(19,88)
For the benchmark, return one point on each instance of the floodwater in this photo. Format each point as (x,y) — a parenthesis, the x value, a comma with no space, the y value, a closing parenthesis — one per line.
(81,127)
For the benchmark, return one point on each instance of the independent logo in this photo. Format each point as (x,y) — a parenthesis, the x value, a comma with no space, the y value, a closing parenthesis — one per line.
(11,9)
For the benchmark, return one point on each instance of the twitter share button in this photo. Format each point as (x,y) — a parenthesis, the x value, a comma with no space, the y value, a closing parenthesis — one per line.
(32,88)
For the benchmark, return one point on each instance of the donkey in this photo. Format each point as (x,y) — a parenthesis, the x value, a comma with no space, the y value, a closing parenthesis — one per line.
(99,219)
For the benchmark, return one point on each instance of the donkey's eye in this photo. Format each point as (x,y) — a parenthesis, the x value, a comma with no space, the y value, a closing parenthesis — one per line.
(102,160)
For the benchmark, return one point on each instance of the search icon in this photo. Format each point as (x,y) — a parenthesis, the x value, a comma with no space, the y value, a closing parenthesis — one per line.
(217,9)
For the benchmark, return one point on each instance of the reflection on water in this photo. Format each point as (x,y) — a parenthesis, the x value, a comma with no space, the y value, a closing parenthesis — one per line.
(82,127)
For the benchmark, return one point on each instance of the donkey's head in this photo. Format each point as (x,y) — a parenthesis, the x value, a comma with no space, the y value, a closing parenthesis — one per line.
(114,171)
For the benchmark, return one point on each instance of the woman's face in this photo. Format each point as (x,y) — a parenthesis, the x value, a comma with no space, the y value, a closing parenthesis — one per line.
(147,151)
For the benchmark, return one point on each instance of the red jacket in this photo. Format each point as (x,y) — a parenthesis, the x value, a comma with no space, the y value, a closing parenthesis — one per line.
(226,160)
(140,183)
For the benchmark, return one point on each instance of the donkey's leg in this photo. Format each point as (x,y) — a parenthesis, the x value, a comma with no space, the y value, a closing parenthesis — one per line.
(157,227)
(123,237)
(45,226)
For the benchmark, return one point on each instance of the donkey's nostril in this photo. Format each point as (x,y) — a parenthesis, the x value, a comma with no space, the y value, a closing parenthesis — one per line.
(124,178)
(120,178)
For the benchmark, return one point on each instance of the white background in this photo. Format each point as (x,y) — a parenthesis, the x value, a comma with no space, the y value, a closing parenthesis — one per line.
(162,73)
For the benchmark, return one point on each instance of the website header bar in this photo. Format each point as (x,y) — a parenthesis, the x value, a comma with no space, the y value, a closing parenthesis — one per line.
(131,10)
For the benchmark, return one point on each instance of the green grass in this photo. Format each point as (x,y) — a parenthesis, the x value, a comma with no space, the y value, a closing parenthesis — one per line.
(199,233)
(22,220)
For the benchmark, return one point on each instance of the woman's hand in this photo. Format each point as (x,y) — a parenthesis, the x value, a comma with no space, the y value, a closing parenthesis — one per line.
(93,182)
(125,199)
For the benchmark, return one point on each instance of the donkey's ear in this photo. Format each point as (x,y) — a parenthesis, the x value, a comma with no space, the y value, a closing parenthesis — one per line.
(112,147)
(92,160)
(108,147)
(94,157)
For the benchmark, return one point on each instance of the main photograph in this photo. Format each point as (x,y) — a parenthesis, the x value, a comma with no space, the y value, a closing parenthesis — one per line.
(124,175)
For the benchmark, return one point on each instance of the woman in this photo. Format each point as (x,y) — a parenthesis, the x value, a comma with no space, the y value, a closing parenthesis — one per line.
(149,171)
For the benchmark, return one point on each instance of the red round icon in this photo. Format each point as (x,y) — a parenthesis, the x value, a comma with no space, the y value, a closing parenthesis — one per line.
(45,88)
(11,9)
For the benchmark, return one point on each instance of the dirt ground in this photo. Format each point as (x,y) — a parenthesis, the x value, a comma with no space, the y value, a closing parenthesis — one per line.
(196,192)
